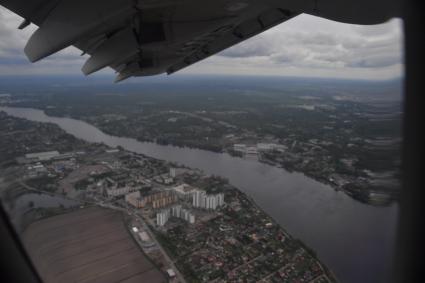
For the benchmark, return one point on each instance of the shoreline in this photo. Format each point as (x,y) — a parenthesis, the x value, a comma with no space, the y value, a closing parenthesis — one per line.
(53,121)
(360,195)
(82,204)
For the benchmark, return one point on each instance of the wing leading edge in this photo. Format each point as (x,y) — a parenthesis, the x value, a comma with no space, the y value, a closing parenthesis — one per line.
(149,37)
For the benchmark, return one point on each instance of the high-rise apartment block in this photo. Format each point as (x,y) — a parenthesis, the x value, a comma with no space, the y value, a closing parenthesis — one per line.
(175,211)
(162,217)
(202,200)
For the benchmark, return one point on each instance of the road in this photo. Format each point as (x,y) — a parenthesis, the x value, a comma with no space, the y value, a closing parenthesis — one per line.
(130,210)
(151,234)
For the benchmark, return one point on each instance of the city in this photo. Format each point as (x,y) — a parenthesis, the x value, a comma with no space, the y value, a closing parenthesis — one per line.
(347,138)
(209,141)
(194,227)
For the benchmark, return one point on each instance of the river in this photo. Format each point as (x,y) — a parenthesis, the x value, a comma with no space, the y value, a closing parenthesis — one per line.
(355,240)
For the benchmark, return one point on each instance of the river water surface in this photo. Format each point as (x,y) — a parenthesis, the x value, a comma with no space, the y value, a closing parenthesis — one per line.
(355,240)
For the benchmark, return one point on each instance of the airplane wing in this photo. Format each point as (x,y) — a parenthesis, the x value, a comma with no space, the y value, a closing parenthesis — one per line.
(149,37)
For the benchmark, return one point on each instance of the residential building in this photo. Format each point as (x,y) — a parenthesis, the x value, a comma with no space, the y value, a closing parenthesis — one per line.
(162,217)
(184,191)
(135,199)
(175,211)
(120,191)
(157,200)
(201,200)
(174,172)
(198,199)
(239,147)
(211,202)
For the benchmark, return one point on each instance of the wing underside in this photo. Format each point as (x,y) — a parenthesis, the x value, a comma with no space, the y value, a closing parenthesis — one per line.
(147,37)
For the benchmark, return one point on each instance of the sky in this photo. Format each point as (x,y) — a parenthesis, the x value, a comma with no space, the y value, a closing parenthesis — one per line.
(306,46)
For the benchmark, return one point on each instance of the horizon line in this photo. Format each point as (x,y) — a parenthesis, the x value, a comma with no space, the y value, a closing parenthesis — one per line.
(177,76)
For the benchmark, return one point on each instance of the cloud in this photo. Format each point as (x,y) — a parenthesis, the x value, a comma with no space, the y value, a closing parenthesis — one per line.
(305,45)
(13,60)
(374,62)
(326,44)
(11,38)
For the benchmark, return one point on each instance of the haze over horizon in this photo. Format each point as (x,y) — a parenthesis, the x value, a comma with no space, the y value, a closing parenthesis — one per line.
(306,46)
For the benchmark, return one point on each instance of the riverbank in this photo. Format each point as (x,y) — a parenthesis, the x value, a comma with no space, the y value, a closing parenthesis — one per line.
(354,182)
(100,175)
(355,240)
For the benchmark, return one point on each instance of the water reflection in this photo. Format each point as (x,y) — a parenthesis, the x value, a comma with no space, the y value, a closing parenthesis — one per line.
(355,240)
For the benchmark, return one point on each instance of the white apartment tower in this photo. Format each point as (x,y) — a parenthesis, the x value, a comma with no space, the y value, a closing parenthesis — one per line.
(162,217)
(202,200)
(175,211)
(220,199)
(198,199)
(211,202)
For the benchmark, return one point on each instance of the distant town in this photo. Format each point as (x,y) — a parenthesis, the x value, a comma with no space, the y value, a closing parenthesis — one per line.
(192,226)
(345,136)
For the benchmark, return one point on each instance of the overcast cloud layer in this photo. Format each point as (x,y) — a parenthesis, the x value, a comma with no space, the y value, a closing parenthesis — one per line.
(304,46)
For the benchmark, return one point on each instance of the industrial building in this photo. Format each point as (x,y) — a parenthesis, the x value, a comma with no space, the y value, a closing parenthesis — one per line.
(42,156)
